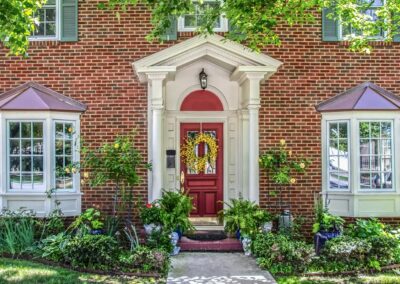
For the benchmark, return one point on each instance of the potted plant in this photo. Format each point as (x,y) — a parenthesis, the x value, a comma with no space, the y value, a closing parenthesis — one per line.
(175,209)
(150,214)
(326,226)
(244,219)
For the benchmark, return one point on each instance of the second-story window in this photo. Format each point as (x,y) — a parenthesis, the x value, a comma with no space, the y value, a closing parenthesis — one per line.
(191,22)
(46,25)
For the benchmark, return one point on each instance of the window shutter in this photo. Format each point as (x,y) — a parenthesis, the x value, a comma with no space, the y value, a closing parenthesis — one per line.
(330,27)
(171,32)
(69,20)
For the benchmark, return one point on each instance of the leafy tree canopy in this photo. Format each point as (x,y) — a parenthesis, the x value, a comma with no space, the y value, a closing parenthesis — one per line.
(255,21)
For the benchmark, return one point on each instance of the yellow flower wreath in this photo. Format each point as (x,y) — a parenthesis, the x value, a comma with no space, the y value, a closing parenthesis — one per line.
(191,160)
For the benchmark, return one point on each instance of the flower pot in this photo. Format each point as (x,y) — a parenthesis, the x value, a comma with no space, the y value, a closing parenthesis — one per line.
(237,234)
(267,227)
(246,243)
(174,241)
(179,232)
(97,232)
(152,228)
(322,237)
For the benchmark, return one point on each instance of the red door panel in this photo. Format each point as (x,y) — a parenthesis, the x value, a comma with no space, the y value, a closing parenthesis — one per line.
(206,185)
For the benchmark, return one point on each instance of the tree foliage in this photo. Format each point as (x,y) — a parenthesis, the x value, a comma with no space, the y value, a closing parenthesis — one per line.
(255,22)
(17,22)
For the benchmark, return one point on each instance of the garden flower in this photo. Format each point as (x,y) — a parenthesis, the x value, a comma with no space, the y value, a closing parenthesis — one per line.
(116,145)
(283,142)
(74,170)
(292,180)
(290,153)
(67,170)
(148,205)
(302,165)
(86,175)
(70,130)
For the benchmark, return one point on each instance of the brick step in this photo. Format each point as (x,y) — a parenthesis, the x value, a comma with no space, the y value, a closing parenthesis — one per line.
(226,245)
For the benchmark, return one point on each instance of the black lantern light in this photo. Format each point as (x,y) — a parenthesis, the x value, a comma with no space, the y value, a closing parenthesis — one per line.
(203,79)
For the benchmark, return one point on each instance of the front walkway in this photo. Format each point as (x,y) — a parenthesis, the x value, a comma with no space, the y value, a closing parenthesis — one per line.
(208,267)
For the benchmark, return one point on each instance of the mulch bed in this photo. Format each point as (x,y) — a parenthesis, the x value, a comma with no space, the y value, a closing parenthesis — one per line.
(82,270)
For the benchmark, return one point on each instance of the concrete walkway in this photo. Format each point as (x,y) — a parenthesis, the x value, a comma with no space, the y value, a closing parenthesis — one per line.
(208,267)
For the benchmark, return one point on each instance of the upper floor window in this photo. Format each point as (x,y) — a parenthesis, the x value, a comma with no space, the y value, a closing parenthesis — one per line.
(47,21)
(191,22)
(370,10)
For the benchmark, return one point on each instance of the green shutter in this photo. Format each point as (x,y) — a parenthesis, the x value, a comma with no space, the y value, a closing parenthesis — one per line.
(171,33)
(69,20)
(330,27)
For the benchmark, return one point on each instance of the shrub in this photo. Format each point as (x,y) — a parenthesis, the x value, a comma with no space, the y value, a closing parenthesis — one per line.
(346,249)
(144,259)
(87,221)
(151,213)
(279,254)
(52,224)
(160,240)
(92,251)
(53,247)
(364,228)
(17,231)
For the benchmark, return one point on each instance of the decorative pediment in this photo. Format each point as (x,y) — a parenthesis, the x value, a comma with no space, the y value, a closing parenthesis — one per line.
(225,53)
(366,96)
(34,97)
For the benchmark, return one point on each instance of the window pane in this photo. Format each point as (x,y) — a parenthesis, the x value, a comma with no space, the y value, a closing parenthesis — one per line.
(343,130)
(365,181)
(50,15)
(15,181)
(364,130)
(26,163)
(59,130)
(59,147)
(26,181)
(26,129)
(26,147)
(386,130)
(364,147)
(375,130)
(333,130)
(14,130)
(37,179)
(14,146)
(343,146)
(364,163)
(68,147)
(50,29)
(38,147)
(190,21)
(38,164)
(37,129)
(15,164)
(333,180)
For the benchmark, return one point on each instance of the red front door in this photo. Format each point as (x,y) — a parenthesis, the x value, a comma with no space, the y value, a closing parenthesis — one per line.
(205,186)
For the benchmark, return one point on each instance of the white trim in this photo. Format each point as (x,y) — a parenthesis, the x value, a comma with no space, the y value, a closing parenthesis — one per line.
(222,28)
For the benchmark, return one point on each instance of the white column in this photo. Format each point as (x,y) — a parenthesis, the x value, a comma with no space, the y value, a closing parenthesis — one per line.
(254,194)
(156,101)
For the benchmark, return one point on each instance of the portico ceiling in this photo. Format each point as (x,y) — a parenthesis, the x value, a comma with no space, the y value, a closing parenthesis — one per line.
(215,48)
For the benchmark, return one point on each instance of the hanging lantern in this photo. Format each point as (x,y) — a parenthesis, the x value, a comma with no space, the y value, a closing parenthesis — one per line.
(203,79)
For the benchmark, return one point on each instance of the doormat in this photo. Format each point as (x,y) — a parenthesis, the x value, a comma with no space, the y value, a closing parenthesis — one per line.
(207,235)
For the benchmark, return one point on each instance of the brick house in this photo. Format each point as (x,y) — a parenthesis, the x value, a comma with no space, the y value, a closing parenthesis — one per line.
(96,74)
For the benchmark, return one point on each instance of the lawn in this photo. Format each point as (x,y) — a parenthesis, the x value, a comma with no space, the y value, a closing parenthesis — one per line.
(27,272)
(382,278)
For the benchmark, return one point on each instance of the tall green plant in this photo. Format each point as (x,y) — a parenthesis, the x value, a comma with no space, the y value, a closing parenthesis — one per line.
(245,216)
(175,210)
(17,231)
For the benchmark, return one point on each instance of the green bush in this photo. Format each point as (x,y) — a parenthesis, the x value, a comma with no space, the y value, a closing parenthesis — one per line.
(160,240)
(53,247)
(279,254)
(92,251)
(144,259)
(364,228)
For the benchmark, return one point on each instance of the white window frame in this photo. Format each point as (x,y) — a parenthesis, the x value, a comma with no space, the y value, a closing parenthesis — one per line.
(7,171)
(223,20)
(327,139)
(69,200)
(58,27)
(366,202)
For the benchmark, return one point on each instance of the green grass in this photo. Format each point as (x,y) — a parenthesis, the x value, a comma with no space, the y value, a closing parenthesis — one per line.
(381,278)
(27,272)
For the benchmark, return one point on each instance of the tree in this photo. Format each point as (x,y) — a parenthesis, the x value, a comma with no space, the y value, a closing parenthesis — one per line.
(254,21)
(17,22)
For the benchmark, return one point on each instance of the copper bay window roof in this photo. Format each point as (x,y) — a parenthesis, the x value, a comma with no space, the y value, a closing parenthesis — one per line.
(366,96)
(32,96)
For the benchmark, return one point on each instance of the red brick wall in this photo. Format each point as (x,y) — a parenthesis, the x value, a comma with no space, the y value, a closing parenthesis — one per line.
(97,71)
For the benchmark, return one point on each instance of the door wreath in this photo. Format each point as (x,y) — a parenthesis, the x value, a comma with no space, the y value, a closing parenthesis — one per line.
(188,152)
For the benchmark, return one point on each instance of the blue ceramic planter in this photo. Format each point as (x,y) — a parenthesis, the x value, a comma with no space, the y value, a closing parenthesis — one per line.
(322,237)
(97,232)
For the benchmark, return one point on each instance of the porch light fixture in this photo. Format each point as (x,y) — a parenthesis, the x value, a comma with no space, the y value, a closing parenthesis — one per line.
(203,79)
